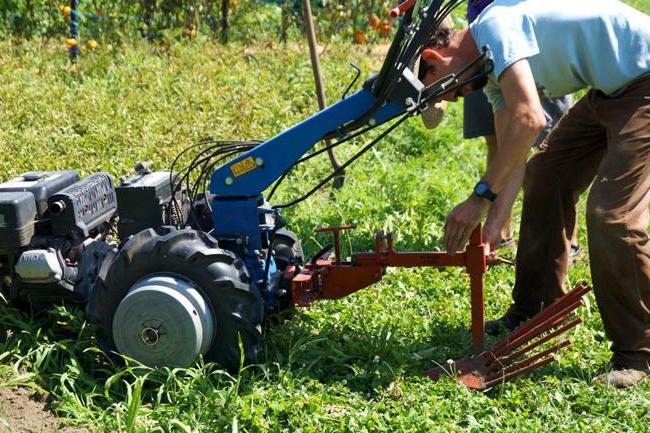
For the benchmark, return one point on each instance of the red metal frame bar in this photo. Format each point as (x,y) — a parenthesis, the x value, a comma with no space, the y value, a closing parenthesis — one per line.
(333,278)
(402,7)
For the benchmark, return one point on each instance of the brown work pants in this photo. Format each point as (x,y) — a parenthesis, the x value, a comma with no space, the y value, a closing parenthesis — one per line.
(604,140)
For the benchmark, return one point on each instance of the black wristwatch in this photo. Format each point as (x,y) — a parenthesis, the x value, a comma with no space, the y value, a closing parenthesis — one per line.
(482,190)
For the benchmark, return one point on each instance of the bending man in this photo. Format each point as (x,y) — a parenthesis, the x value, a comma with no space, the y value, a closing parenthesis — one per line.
(554,48)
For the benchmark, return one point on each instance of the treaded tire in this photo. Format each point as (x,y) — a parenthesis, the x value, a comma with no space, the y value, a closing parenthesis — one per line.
(287,250)
(238,308)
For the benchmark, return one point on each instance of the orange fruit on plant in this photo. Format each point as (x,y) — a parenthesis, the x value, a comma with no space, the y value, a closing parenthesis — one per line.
(92,44)
(71,42)
(385,27)
(373,21)
(66,11)
(359,37)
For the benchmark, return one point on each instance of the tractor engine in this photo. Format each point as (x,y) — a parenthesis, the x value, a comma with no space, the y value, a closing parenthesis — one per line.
(53,233)
(56,230)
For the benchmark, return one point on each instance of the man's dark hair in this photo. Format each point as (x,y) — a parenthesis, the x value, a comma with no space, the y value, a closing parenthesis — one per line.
(441,38)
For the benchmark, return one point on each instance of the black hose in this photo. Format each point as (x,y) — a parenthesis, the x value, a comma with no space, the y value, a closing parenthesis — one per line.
(346,164)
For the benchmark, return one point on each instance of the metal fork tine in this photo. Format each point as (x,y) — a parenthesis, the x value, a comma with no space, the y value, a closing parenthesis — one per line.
(569,298)
(507,377)
(560,304)
(523,363)
(550,323)
(509,358)
(511,342)
(541,341)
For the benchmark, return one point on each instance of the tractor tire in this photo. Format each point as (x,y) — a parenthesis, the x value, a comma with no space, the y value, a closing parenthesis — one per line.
(221,277)
(287,249)
(287,252)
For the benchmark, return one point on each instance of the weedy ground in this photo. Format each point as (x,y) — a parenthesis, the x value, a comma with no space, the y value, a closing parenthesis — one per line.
(352,365)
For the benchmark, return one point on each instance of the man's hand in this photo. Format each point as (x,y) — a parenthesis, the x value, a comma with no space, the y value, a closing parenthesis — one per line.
(492,235)
(462,221)
(501,209)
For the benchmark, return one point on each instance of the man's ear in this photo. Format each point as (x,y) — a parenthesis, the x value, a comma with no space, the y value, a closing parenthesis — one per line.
(432,55)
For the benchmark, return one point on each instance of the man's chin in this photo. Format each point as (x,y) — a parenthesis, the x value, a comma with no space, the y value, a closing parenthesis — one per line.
(464,94)
(450,98)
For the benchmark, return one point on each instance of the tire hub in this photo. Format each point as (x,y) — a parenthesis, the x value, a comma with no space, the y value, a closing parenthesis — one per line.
(150,336)
(164,320)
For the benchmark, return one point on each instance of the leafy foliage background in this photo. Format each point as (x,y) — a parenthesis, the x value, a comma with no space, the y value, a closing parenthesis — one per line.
(248,19)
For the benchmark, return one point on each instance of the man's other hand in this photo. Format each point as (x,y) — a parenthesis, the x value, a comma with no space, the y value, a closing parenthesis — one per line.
(462,221)
(492,235)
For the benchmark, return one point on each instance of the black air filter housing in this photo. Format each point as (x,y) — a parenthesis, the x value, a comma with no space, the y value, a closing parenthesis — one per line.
(141,201)
(17,214)
(83,206)
(42,184)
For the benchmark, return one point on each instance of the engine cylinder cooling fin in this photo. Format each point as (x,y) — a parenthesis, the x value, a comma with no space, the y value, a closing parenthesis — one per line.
(83,206)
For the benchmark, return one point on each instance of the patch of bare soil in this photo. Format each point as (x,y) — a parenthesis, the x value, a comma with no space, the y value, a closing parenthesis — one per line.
(20,413)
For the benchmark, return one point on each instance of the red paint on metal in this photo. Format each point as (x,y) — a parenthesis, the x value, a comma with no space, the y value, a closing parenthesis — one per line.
(333,278)
(495,366)
(335,233)
(402,7)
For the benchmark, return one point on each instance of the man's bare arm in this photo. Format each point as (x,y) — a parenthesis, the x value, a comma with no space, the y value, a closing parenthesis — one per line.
(501,209)
(522,120)
(518,124)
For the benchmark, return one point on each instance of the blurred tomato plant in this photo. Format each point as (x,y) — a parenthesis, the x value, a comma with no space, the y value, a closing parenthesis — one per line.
(361,21)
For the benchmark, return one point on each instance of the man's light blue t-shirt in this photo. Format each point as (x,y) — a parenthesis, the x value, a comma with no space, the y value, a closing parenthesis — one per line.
(570,44)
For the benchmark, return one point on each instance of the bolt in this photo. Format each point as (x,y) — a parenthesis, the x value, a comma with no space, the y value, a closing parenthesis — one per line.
(229,180)
(372,122)
(259,161)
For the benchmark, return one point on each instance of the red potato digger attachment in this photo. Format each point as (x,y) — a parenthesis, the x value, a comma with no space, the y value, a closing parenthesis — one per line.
(324,277)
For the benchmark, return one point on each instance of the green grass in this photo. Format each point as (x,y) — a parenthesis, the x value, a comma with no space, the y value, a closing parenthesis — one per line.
(352,365)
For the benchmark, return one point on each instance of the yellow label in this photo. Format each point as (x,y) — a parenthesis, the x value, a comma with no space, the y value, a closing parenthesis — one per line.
(243,166)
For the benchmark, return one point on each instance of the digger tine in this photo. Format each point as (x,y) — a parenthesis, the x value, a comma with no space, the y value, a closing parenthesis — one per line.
(568,299)
(541,341)
(525,362)
(531,330)
(510,376)
(509,344)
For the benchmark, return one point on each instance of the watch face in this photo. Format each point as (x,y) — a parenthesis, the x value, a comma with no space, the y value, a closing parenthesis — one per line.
(481,188)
